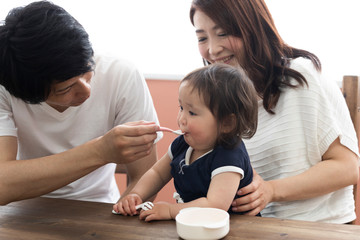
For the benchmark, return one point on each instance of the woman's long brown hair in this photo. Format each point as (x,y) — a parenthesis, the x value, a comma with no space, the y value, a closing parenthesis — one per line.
(267,57)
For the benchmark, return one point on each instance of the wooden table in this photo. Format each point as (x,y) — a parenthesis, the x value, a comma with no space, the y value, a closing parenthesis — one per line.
(46,218)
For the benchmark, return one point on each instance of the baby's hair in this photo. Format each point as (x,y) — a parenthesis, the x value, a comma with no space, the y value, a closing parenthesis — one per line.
(227,92)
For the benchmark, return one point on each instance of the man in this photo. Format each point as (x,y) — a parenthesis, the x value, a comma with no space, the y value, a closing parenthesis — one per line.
(66,116)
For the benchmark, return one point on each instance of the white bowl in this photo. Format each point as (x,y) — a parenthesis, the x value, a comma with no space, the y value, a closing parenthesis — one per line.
(202,223)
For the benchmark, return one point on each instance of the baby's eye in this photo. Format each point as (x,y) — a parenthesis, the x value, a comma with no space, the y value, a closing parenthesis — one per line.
(192,113)
(181,108)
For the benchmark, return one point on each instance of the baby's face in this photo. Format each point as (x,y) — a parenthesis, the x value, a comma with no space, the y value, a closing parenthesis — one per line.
(196,120)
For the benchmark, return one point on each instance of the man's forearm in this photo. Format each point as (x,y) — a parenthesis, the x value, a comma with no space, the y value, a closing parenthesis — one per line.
(23,179)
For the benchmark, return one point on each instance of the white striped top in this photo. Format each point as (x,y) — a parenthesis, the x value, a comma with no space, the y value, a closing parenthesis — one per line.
(306,121)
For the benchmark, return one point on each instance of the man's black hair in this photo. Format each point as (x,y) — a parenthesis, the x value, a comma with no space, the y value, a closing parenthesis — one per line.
(41,44)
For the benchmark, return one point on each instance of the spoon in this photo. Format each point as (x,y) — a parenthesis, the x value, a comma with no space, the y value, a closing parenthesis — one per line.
(165,129)
(144,206)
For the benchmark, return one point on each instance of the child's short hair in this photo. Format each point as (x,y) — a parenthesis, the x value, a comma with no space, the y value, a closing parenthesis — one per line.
(41,44)
(227,91)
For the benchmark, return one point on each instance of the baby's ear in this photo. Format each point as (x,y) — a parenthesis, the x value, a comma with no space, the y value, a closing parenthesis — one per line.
(228,124)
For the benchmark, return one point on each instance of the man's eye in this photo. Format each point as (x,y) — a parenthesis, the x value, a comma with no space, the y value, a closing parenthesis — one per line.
(63,91)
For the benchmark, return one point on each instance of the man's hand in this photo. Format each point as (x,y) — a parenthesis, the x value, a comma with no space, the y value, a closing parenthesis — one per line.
(127,142)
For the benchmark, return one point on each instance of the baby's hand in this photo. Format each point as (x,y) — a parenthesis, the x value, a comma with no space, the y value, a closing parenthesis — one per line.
(127,205)
(160,211)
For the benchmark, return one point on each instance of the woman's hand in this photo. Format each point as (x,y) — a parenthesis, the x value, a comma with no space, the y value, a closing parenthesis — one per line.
(254,197)
(127,205)
(160,211)
(127,142)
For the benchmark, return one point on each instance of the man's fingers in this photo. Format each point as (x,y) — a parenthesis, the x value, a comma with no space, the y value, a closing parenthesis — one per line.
(138,149)
(137,130)
(142,122)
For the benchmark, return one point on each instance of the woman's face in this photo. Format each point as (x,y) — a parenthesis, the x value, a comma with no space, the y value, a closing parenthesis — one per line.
(214,43)
(70,93)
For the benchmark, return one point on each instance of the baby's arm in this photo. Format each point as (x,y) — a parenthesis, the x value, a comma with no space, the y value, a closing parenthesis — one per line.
(221,193)
(148,185)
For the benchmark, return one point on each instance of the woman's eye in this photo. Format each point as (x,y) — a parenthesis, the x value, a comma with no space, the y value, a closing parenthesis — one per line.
(181,108)
(192,113)
(201,39)
(222,34)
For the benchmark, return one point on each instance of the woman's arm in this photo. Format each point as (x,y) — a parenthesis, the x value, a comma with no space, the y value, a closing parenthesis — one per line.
(318,180)
(22,179)
(221,193)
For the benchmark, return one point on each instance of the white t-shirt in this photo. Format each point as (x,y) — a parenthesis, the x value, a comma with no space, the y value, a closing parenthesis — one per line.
(119,94)
(306,121)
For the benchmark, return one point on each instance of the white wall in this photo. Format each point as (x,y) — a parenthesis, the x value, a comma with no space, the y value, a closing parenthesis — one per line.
(328,28)
(158,36)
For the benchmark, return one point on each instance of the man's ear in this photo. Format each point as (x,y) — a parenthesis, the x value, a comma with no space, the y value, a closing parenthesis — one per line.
(228,124)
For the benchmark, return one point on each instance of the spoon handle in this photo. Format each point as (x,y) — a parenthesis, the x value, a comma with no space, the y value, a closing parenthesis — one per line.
(165,129)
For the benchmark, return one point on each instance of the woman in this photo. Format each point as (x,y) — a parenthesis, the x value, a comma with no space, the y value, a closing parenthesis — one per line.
(305,137)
